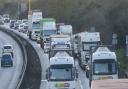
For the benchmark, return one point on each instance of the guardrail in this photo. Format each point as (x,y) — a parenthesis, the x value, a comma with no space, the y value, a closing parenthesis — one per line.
(17,39)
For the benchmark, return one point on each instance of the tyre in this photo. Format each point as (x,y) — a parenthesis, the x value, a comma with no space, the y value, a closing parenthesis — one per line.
(11,64)
(87,74)
(12,54)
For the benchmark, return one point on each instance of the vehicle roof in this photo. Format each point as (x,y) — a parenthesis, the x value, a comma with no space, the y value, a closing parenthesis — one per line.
(21,24)
(89,36)
(7,45)
(66,26)
(105,55)
(6,53)
(36,10)
(57,36)
(110,84)
(102,53)
(48,19)
(61,60)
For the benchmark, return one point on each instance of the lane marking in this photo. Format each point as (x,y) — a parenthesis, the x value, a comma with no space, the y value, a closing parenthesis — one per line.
(81,87)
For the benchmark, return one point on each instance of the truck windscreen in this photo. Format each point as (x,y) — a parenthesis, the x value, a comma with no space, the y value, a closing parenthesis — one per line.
(36,25)
(54,52)
(104,67)
(48,32)
(61,74)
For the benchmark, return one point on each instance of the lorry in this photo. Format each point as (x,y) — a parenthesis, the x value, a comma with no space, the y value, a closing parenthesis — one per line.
(34,18)
(60,42)
(48,27)
(110,84)
(65,29)
(103,63)
(84,41)
(62,73)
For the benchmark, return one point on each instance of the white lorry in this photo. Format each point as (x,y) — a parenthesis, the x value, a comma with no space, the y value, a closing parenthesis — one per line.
(103,64)
(34,18)
(85,41)
(60,42)
(65,29)
(62,73)
(48,27)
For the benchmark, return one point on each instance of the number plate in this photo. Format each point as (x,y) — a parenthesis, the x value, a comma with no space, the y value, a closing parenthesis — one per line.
(103,78)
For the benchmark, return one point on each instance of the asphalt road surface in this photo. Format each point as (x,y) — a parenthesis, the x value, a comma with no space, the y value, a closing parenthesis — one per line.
(9,76)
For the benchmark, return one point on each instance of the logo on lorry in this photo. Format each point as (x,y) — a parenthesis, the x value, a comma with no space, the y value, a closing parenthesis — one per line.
(106,77)
(62,85)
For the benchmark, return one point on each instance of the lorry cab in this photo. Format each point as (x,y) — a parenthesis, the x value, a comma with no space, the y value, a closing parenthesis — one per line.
(60,42)
(62,73)
(103,64)
(48,27)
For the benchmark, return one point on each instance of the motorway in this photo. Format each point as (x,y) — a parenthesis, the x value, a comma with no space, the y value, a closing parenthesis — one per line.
(9,76)
(83,82)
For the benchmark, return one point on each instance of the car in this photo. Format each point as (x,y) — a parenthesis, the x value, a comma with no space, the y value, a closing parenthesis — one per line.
(8,49)
(21,27)
(16,25)
(6,60)
(19,21)
(12,23)
(6,18)
(1,20)
(24,20)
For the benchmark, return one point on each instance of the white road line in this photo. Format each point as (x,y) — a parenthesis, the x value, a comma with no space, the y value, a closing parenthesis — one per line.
(81,87)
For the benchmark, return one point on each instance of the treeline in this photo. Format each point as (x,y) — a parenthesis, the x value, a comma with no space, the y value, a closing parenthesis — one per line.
(107,16)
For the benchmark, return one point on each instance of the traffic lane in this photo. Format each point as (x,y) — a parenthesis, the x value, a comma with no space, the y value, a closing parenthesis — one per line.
(42,56)
(43,59)
(83,80)
(44,63)
(10,76)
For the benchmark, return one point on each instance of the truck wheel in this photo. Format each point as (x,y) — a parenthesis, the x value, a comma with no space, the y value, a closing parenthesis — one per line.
(12,54)
(87,74)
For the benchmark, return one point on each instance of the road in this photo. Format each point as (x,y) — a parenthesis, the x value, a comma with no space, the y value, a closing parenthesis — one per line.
(83,82)
(9,76)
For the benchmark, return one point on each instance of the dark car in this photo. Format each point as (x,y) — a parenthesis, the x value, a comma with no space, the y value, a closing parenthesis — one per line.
(6,60)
